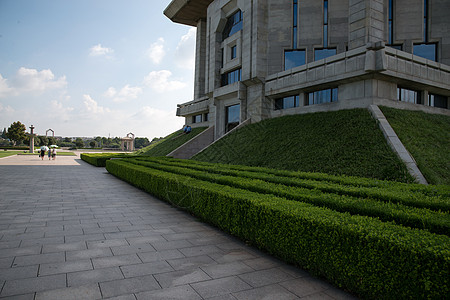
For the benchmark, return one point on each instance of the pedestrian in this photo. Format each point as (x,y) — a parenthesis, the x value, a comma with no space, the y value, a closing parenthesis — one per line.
(49,154)
(53,153)
(42,154)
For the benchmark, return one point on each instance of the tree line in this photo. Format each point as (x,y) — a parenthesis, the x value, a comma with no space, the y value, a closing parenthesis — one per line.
(16,135)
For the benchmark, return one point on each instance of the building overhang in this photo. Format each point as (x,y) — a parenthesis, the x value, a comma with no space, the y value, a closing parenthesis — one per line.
(187,12)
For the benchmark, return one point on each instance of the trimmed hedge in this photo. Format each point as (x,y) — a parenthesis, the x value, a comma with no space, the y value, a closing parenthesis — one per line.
(364,255)
(437,222)
(99,159)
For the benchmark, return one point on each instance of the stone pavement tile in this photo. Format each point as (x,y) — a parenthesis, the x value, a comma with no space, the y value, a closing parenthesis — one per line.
(124,297)
(146,269)
(24,236)
(116,261)
(85,237)
(20,297)
(129,286)
(64,247)
(181,236)
(10,244)
(85,292)
(227,269)
(266,277)
(99,275)
(42,241)
(218,287)
(122,235)
(191,262)
(120,250)
(37,284)
(146,239)
(89,253)
(7,262)
(261,263)
(318,296)
(107,243)
(338,294)
(176,278)
(306,286)
(231,256)
(200,250)
(19,272)
(181,292)
(209,240)
(10,252)
(171,245)
(30,260)
(160,255)
(65,267)
(224,297)
(275,292)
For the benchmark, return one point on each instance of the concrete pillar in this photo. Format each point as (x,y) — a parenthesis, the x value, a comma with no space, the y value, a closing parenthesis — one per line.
(366,22)
(200,60)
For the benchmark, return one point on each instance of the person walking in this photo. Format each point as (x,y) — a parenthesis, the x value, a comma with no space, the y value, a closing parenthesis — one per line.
(53,153)
(49,154)
(42,154)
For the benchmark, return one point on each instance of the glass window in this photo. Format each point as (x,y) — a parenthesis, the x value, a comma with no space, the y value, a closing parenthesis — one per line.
(234,24)
(437,100)
(323,96)
(287,102)
(197,119)
(206,117)
(232,116)
(295,24)
(231,77)
(410,96)
(294,58)
(233,52)
(427,51)
(323,53)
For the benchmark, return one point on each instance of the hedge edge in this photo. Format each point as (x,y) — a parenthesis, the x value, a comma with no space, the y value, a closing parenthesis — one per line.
(361,254)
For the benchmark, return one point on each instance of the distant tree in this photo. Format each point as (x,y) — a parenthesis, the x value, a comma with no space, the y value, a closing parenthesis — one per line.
(92,144)
(16,132)
(43,140)
(51,140)
(141,142)
(79,143)
(67,140)
(4,133)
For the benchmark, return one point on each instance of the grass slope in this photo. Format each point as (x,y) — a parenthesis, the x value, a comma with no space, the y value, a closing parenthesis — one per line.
(427,138)
(346,142)
(170,143)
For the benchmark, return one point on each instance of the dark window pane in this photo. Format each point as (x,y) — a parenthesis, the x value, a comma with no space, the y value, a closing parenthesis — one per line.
(233,52)
(234,24)
(427,51)
(323,96)
(323,53)
(231,77)
(232,116)
(437,101)
(294,59)
(410,96)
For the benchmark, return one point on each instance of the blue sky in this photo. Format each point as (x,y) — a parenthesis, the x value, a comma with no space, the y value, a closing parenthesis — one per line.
(94,67)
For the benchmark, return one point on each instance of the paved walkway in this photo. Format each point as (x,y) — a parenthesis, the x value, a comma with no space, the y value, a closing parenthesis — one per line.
(69,230)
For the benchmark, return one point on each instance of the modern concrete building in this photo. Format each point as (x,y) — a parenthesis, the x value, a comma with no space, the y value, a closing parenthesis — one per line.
(258,59)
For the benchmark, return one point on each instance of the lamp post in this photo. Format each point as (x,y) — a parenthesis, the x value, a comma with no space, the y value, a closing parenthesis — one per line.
(32,135)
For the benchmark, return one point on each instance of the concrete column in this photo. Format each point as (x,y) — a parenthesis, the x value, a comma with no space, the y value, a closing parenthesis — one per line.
(200,60)
(366,22)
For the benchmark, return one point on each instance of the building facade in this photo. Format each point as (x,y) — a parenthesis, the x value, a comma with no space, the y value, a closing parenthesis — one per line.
(258,59)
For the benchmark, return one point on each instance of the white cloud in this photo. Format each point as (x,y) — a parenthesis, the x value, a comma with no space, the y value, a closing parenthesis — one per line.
(98,50)
(6,109)
(160,83)
(30,81)
(91,106)
(59,111)
(125,94)
(185,52)
(156,51)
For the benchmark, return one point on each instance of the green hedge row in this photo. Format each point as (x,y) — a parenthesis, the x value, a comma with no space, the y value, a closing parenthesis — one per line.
(431,197)
(364,255)
(437,222)
(99,159)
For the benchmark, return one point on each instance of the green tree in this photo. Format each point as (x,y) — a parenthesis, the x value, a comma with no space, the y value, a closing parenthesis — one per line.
(92,144)
(79,143)
(67,140)
(16,132)
(51,141)
(43,140)
(141,142)
(4,133)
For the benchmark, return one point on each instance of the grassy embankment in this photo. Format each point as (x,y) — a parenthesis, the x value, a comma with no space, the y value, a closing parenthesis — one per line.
(427,138)
(346,142)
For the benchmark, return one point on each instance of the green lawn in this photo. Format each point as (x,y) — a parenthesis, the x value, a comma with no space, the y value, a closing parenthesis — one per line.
(347,142)
(427,138)
(170,143)
(8,153)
